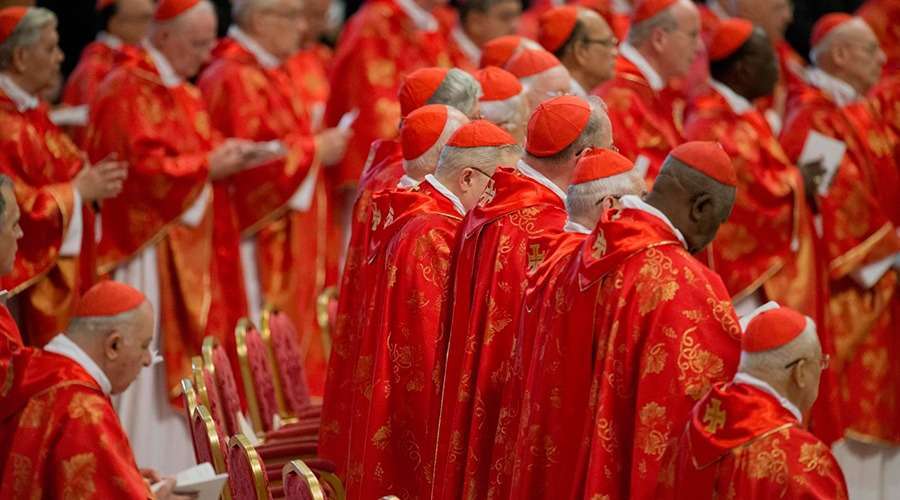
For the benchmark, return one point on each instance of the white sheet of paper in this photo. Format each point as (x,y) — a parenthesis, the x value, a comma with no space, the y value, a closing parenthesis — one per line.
(745,320)
(829,150)
(641,165)
(303,196)
(194,214)
(201,479)
(868,275)
(70,116)
(347,120)
(247,429)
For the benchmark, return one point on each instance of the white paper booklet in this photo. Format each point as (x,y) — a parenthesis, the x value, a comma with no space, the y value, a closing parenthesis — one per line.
(200,479)
(69,115)
(829,150)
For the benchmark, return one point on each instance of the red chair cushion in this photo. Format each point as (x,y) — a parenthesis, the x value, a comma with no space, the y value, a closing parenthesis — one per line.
(262,374)
(296,487)
(240,475)
(288,357)
(228,390)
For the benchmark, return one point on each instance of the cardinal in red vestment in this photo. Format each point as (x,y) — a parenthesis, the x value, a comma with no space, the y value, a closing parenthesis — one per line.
(157,234)
(541,74)
(746,439)
(768,249)
(410,255)
(636,333)
(583,43)
(124,24)
(55,187)
(640,102)
(502,101)
(478,23)
(517,225)
(500,50)
(10,234)
(861,242)
(59,434)
(277,211)
(383,170)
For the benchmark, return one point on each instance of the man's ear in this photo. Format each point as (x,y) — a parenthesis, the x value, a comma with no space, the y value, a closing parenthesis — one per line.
(113,344)
(19,57)
(701,206)
(798,374)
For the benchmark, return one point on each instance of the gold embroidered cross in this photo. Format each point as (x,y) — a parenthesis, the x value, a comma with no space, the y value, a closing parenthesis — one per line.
(376,218)
(535,257)
(714,418)
(599,247)
(488,195)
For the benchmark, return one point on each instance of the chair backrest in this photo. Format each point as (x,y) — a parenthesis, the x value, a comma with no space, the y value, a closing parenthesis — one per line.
(189,399)
(207,446)
(300,483)
(325,471)
(216,362)
(246,473)
(257,375)
(326,316)
(281,337)
(208,395)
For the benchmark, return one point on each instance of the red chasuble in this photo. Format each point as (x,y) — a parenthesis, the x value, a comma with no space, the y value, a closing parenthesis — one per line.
(96,62)
(856,233)
(383,171)
(394,384)
(59,434)
(164,135)
(637,332)
(742,443)
(10,338)
(42,162)
(644,119)
(249,101)
(516,226)
(378,46)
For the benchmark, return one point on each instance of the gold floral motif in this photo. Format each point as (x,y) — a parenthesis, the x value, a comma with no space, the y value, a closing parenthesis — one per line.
(714,417)
(814,457)
(653,434)
(78,476)
(656,281)
(767,460)
(598,249)
(497,320)
(381,72)
(655,360)
(22,474)
(455,453)
(389,218)
(880,144)
(382,436)
(607,435)
(387,116)
(697,368)
(392,276)
(376,217)
(735,241)
(88,408)
(33,415)
(695,315)
(875,361)
(724,313)
(526,220)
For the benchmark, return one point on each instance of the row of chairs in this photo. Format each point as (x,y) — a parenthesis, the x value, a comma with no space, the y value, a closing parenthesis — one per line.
(273,454)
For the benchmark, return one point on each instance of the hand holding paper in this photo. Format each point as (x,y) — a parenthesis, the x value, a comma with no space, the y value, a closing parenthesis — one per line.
(199,482)
(829,151)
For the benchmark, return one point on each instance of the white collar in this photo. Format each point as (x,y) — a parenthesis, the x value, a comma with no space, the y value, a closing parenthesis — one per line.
(64,346)
(110,40)
(574,227)
(747,379)
(466,45)
(435,183)
(636,203)
(739,104)
(419,16)
(622,7)
(166,73)
(717,9)
(842,92)
(541,179)
(407,182)
(21,98)
(629,52)
(576,88)
(263,56)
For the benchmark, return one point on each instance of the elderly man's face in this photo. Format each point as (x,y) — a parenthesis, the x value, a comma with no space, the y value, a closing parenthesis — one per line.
(10,231)
(316,16)
(132,349)
(862,58)
(501,19)
(597,49)
(191,43)
(280,27)
(773,16)
(132,20)
(680,46)
(38,64)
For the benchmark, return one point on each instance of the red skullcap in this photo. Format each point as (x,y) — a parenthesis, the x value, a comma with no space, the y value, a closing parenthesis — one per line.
(530,62)
(707,158)
(555,124)
(102,4)
(108,298)
(498,51)
(772,329)
(168,9)
(728,36)
(418,87)
(9,19)
(826,24)
(421,129)
(599,164)
(645,9)
(556,26)
(497,84)
(480,133)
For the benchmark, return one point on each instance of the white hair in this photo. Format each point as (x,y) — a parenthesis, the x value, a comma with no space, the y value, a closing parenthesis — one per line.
(27,33)
(509,110)
(459,89)
(418,168)
(94,325)
(771,363)
(640,32)
(595,124)
(485,158)
(240,9)
(175,22)
(581,199)
(824,46)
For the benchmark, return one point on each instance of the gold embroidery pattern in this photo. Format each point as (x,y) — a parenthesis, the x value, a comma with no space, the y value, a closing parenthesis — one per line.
(86,407)
(526,220)
(768,463)
(653,435)
(496,321)
(655,360)
(22,479)
(656,281)
(723,312)
(697,368)
(488,194)
(382,436)
(598,249)
(814,457)
(380,72)
(535,257)
(607,435)
(714,417)
(376,217)
(78,476)
(33,416)
(735,242)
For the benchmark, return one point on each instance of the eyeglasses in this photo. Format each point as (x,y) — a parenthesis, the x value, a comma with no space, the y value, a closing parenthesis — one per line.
(824,362)
(606,42)
(482,172)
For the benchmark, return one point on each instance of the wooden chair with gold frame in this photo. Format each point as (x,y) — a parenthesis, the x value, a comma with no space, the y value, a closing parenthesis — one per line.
(216,362)
(189,399)
(207,446)
(279,334)
(324,318)
(300,482)
(247,475)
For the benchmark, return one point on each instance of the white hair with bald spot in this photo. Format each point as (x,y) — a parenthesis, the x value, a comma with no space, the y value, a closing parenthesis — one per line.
(454,160)
(176,22)
(770,364)
(640,32)
(581,199)
(418,168)
(26,34)
(826,44)
(506,111)
(88,326)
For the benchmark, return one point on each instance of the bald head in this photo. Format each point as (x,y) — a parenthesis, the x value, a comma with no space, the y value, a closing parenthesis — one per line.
(187,40)
(695,203)
(586,202)
(459,90)
(852,53)
(546,85)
